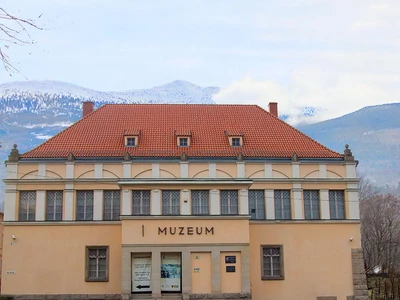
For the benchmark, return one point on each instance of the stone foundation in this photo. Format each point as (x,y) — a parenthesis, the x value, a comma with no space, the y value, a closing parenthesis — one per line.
(243,296)
(359,278)
(63,297)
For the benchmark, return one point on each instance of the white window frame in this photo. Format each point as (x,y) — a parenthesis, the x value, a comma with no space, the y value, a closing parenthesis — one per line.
(51,196)
(85,217)
(97,258)
(259,213)
(115,210)
(270,260)
(334,214)
(233,209)
(204,198)
(142,198)
(278,197)
(168,196)
(309,199)
(27,212)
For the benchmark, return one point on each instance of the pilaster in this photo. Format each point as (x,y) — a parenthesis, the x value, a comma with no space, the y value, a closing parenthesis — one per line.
(215,208)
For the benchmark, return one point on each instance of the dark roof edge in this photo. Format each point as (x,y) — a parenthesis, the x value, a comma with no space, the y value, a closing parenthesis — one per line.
(177,159)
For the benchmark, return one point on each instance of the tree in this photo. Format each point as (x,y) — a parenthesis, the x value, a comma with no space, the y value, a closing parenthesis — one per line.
(380,230)
(14,30)
(365,187)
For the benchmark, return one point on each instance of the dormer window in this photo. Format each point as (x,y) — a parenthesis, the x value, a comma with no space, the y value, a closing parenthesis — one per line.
(183,142)
(235,138)
(131,137)
(130,141)
(236,142)
(183,137)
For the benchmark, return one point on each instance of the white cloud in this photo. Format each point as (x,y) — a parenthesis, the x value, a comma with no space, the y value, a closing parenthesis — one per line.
(331,96)
(42,136)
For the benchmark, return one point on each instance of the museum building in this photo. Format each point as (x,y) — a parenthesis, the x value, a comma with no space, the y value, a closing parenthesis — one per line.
(154,201)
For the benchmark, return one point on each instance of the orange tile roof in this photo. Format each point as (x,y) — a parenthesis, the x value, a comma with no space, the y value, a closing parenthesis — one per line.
(101,133)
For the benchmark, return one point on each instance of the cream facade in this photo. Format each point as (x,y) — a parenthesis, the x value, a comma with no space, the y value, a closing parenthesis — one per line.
(126,229)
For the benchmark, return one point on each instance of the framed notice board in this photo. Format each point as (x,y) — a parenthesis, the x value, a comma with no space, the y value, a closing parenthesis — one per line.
(230,269)
(230,259)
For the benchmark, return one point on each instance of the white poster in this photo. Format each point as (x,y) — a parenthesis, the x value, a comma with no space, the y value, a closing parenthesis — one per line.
(171,272)
(141,273)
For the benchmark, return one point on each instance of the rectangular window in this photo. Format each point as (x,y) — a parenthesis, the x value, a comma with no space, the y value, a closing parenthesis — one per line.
(131,142)
(27,206)
(171,202)
(235,142)
(183,142)
(229,202)
(256,204)
(311,204)
(336,205)
(282,204)
(111,205)
(200,202)
(54,205)
(97,263)
(84,205)
(141,202)
(272,262)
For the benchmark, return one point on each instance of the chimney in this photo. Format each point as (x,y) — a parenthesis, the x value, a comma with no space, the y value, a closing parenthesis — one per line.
(87,108)
(273,108)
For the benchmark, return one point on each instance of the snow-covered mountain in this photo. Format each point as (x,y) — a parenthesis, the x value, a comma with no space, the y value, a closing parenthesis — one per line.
(61,97)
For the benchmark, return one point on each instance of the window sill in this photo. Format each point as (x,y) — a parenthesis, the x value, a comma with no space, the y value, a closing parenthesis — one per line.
(96,279)
(266,278)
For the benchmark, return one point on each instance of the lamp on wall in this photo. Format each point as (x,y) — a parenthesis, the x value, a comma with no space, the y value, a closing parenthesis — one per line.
(13,237)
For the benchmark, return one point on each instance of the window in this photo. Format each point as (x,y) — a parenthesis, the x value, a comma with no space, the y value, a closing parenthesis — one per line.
(272,262)
(97,263)
(84,205)
(282,204)
(27,206)
(130,141)
(229,202)
(54,205)
(336,204)
(236,142)
(183,142)
(256,204)
(111,205)
(141,202)
(171,202)
(311,204)
(200,202)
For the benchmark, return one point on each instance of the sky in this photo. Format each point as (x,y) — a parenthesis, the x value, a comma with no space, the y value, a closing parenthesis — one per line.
(335,56)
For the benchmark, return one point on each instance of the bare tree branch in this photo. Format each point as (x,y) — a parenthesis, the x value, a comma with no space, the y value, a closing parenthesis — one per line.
(14,30)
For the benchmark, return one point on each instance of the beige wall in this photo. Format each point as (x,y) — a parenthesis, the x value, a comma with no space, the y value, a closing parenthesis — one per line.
(231,282)
(51,259)
(172,170)
(316,258)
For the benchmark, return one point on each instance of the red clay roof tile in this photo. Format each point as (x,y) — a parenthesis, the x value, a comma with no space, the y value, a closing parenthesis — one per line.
(101,133)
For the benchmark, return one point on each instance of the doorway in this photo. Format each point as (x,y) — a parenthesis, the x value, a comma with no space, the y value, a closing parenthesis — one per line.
(171,270)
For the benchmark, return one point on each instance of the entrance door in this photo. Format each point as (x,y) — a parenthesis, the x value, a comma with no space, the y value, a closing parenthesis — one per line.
(171,272)
(141,273)
(201,272)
